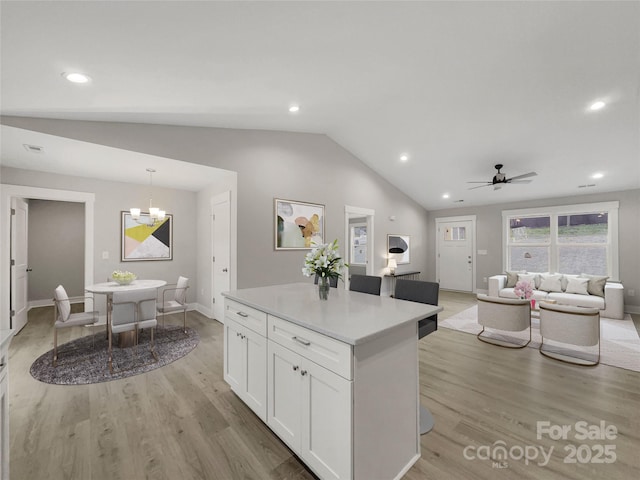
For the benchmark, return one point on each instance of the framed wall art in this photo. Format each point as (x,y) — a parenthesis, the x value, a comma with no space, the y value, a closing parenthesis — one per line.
(298,225)
(399,248)
(142,239)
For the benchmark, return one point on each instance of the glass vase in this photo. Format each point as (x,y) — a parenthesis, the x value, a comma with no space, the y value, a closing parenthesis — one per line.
(323,288)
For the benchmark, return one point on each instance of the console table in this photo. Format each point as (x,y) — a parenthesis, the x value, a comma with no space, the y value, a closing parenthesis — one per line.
(414,275)
(336,380)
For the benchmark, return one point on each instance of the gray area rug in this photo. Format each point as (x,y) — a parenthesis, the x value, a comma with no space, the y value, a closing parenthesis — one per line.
(81,362)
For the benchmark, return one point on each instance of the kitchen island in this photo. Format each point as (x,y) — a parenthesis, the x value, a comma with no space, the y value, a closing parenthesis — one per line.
(336,380)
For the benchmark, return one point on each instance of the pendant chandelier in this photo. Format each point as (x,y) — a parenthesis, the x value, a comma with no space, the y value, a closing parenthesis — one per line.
(155,214)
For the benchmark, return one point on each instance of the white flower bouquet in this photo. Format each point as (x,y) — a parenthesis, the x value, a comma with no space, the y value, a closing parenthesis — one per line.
(324,260)
(123,277)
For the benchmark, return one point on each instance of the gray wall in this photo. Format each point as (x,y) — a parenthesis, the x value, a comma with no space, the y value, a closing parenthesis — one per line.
(296,166)
(110,199)
(56,248)
(489,235)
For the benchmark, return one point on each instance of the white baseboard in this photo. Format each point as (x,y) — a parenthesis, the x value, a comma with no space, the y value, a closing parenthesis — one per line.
(207,312)
(635,309)
(49,302)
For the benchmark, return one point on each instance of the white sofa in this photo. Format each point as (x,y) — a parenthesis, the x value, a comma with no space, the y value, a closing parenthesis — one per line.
(610,306)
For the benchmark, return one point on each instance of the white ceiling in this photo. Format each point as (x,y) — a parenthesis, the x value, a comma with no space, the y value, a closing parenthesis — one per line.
(459,86)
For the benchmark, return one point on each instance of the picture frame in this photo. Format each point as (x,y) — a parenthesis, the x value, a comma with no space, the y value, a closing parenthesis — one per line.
(140,240)
(297,225)
(399,248)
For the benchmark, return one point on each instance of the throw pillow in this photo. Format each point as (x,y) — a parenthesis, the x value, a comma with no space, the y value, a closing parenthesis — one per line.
(512,279)
(596,284)
(531,279)
(551,283)
(577,285)
(565,280)
(538,278)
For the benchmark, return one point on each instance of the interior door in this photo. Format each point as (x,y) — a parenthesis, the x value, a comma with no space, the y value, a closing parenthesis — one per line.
(19,258)
(455,255)
(221,248)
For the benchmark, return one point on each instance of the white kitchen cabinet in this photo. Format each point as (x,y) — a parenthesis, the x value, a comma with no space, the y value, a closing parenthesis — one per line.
(341,376)
(309,407)
(245,352)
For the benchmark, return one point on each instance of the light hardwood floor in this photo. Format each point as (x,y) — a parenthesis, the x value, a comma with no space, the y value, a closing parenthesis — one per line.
(182,421)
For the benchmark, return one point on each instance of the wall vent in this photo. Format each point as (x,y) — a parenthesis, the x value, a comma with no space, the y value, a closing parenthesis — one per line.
(33,148)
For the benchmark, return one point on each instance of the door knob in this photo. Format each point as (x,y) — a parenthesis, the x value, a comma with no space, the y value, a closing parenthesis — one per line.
(225,270)
(29,269)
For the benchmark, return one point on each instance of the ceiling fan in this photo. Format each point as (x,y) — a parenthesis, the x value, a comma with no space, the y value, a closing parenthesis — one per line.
(500,178)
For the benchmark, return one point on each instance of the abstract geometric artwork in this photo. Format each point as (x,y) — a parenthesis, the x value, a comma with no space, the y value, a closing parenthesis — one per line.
(298,225)
(143,241)
(398,247)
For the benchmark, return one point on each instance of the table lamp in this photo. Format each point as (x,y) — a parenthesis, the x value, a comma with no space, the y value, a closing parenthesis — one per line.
(391,263)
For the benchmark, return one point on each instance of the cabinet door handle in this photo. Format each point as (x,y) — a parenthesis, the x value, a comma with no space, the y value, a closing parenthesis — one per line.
(238,334)
(242,314)
(295,367)
(302,341)
(303,372)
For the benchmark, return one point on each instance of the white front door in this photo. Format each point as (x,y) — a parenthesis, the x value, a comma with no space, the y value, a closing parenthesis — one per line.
(19,259)
(221,248)
(455,244)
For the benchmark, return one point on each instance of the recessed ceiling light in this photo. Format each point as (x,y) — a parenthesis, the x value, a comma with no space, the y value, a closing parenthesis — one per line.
(445,195)
(597,175)
(404,157)
(294,108)
(597,105)
(76,77)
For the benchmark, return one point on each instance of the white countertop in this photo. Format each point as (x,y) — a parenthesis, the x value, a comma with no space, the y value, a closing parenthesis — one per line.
(350,317)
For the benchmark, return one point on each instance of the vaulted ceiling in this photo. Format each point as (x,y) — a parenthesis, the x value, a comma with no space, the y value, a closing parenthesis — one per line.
(456,86)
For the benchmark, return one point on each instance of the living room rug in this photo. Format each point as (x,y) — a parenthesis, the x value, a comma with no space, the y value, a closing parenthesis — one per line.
(81,362)
(619,341)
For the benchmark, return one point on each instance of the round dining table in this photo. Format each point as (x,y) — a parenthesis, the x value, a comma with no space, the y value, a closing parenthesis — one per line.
(109,288)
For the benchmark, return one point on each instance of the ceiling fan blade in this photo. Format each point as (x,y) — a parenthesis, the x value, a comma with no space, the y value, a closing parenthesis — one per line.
(519,181)
(488,183)
(525,175)
(479,186)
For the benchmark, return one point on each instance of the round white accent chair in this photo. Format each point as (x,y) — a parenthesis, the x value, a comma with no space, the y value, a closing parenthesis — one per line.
(507,314)
(571,325)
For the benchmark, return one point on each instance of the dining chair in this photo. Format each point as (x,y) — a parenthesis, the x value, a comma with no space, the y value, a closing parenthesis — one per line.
(365,284)
(133,310)
(175,300)
(422,292)
(63,318)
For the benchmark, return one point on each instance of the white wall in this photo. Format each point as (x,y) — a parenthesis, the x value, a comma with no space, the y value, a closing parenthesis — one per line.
(110,199)
(489,235)
(296,166)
